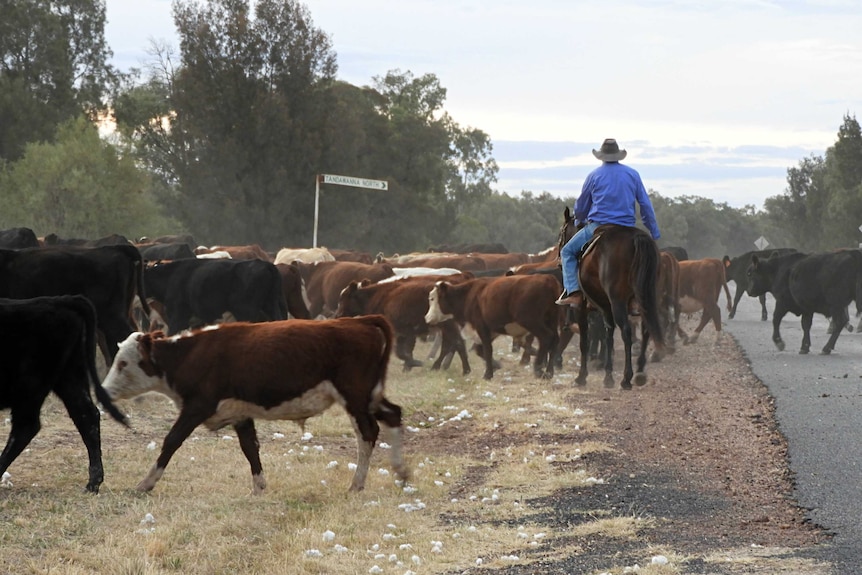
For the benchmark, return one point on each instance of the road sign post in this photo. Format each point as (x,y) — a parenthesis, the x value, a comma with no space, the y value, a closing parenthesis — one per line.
(341,181)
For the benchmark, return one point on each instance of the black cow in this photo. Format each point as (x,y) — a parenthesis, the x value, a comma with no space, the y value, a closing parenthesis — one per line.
(166,252)
(823,283)
(200,291)
(18,238)
(109,276)
(109,240)
(736,269)
(48,344)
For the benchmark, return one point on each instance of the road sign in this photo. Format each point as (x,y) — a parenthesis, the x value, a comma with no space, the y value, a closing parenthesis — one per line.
(761,243)
(341,181)
(355,182)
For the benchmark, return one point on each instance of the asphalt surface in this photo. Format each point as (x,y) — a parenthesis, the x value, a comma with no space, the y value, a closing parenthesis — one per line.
(818,402)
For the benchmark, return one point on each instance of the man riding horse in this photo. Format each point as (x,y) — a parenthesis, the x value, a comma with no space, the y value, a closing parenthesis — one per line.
(608,196)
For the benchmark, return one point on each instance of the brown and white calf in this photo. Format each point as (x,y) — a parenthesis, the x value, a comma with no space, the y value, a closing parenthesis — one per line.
(235,373)
(511,305)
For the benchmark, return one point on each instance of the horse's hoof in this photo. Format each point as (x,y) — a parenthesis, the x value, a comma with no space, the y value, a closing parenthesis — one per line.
(626,385)
(581,381)
(610,383)
(826,351)
(640,379)
(780,345)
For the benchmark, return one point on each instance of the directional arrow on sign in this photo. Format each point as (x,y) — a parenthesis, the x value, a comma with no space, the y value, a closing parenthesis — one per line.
(355,182)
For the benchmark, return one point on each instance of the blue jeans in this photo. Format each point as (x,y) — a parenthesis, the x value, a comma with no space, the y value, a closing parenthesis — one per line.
(569,256)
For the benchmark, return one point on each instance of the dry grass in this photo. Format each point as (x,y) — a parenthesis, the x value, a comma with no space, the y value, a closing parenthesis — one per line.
(465,506)
(207,521)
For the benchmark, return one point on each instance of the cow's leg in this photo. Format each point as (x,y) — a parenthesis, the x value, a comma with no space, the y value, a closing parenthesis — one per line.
(435,345)
(548,343)
(389,414)
(527,344)
(487,352)
(185,424)
(452,342)
(250,446)
(764,315)
(25,426)
(709,311)
(777,315)
(76,397)
(807,319)
(840,316)
(737,296)
(404,345)
(367,430)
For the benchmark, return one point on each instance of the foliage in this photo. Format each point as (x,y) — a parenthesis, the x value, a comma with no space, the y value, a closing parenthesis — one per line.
(53,66)
(81,187)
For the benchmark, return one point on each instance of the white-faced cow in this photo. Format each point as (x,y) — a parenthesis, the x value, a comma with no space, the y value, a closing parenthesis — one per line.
(198,292)
(404,303)
(111,277)
(507,305)
(235,373)
(803,285)
(325,280)
(48,344)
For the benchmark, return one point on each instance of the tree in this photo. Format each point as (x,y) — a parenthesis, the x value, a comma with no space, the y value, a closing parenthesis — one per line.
(80,186)
(844,181)
(236,127)
(53,66)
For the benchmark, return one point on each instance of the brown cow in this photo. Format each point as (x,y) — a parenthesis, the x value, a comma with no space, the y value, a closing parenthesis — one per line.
(294,291)
(351,256)
(464,263)
(325,280)
(502,261)
(404,303)
(236,372)
(249,252)
(668,302)
(512,305)
(700,285)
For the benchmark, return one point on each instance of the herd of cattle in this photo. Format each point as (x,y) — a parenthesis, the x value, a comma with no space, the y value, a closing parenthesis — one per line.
(217,329)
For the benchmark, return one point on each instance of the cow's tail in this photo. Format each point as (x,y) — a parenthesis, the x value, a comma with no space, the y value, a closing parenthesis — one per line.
(85,309)
(726,290)
(138,273)
(645,270)
(387,333)
(857,260)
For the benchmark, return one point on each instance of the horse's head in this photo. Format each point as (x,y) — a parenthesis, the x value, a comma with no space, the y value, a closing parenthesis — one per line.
(567,230)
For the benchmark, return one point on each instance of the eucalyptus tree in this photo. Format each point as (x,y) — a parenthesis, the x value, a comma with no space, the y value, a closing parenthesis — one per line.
(53,67)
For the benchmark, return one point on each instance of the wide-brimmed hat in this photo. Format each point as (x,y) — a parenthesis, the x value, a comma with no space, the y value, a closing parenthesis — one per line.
(610,151)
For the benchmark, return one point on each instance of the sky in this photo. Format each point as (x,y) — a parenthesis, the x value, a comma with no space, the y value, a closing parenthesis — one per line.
(715,99)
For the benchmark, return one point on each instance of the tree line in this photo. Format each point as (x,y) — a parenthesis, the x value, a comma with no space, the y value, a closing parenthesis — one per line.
(223,136)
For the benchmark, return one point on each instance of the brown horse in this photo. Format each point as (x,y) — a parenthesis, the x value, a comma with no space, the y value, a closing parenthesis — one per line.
(617,268)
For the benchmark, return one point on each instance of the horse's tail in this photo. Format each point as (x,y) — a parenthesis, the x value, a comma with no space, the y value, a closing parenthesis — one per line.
(645,271)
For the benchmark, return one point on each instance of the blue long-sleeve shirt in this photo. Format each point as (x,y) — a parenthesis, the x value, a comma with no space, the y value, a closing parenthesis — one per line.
(609,195)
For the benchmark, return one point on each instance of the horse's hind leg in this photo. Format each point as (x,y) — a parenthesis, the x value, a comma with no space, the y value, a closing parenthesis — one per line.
(621,312)
(609,350)
(584,346)
(640,377)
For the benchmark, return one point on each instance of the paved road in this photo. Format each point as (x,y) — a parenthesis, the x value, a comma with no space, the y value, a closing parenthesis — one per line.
(819,410)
